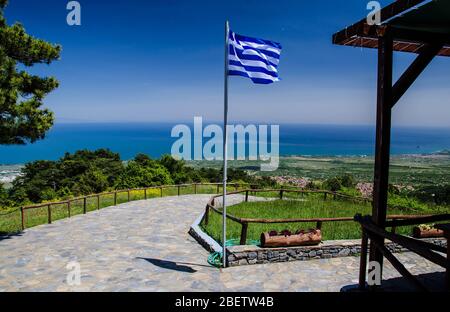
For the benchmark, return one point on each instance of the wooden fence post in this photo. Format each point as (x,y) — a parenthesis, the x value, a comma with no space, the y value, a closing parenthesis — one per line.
(178,190)
(319,225)
(22,212)
(84,205)
(161,191)
(246,196)
(195,188)
(244,233)
(325,195)
(98,202)
(145,193)
(206,214)
(128,195)
(49,208)
(115,198)
(281,194)
(363,260)
(68,208)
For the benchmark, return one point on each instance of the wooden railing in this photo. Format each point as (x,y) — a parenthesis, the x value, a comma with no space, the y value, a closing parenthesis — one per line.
(84,199)
(424,249)
(244,222)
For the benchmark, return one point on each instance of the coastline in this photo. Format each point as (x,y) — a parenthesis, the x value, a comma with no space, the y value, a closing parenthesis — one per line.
(312,166)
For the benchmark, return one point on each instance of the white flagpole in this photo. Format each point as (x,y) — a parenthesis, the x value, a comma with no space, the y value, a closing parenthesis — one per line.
(225,123)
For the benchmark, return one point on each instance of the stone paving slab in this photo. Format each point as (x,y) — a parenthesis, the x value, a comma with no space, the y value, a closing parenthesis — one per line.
(144,246)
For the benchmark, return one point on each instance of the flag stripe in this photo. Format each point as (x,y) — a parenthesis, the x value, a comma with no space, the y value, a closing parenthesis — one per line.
(257,50)
(253,58)
(253,69)
(235,54)
(256,40)
(254,79)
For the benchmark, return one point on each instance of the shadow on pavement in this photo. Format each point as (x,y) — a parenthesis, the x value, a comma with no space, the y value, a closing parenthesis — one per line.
(176,266)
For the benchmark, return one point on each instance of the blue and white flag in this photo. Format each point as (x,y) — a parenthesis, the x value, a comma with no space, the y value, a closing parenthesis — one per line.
(253,58)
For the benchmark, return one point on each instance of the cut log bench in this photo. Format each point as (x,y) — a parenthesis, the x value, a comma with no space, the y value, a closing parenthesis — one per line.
(303,239)
(420,233)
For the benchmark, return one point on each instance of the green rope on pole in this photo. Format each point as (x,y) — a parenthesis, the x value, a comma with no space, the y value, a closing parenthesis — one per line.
(215,258)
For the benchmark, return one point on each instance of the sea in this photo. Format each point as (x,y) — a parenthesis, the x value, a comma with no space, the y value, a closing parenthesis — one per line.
(154,139)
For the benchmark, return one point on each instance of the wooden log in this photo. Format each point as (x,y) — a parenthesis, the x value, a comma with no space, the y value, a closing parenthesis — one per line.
(419,233)
(307,239)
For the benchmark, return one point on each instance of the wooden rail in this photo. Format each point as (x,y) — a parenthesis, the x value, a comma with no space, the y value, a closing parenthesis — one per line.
(84,199)
(426,250)
(396,220)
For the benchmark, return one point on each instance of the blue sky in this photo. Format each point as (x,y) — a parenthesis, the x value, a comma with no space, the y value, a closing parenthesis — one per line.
(162,60)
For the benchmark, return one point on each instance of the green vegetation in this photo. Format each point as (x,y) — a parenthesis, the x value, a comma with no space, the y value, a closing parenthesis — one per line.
(90,172)
(21,94)
(414,170)
(304,206)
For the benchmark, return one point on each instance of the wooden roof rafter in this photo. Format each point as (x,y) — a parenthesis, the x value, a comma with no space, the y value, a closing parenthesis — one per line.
(361,34)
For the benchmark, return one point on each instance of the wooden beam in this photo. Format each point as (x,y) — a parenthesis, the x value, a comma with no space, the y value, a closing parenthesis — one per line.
(383,139)
(387,12)
(426,55)
(400,267)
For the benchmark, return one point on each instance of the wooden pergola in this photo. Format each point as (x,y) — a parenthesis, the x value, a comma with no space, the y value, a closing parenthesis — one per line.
(415,26)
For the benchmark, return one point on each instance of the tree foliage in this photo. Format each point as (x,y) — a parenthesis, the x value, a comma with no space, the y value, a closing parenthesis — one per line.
(22,119)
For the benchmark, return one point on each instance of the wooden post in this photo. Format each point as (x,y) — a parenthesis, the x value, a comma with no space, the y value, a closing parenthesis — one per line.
(115,198)
(383,139)
(207,215)
(84,205)
(244,233)
(246,196)
(22,213)
(325,195)
(128,195)
(98,202)
(319,225)
(178,190)
(145,193)
(281,194)
(49,208)
(69,208)
(161,191)
(195,188)
(363,260)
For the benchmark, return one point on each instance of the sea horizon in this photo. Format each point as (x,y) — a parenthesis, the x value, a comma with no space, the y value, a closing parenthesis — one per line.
(154,139)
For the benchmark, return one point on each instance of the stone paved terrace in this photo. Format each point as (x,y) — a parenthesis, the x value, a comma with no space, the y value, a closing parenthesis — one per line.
(144,246)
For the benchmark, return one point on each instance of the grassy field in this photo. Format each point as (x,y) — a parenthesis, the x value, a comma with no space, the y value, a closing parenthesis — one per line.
(10,221)
(309,206)
(416,170)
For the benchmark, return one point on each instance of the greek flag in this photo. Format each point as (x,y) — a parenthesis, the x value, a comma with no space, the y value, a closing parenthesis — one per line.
(253,58)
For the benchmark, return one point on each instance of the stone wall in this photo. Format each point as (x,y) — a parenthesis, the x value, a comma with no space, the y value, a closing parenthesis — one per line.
(246,255)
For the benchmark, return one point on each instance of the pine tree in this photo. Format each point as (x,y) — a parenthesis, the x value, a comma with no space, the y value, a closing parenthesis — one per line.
(22,120)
